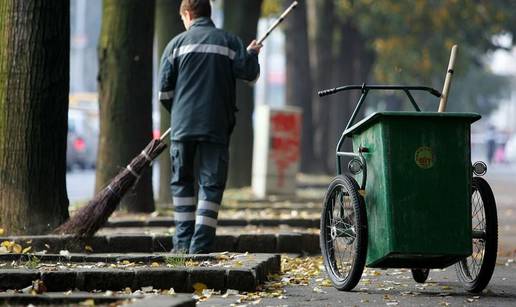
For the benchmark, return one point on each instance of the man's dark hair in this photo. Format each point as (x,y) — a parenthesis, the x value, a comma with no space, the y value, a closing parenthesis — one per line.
(197,8)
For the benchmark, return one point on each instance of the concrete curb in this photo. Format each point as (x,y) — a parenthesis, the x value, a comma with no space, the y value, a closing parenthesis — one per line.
(179,300)
(244,277)
(299,243)
(169,222)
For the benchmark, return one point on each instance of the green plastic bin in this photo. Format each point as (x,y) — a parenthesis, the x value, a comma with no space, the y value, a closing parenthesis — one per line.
(418,187)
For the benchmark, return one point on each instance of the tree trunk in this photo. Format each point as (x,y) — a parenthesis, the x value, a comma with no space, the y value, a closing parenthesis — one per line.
(241,18)
(125,94)
(34,85)
(299,89)
(353,61)
(321,22)
(168,24)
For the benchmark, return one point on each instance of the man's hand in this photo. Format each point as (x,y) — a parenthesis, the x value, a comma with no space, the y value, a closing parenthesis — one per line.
(254,47)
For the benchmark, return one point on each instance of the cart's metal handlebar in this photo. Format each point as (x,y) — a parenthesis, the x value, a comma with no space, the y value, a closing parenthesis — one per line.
(365,87)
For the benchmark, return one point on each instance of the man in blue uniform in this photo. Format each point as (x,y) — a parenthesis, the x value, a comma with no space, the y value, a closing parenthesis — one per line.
(197,85)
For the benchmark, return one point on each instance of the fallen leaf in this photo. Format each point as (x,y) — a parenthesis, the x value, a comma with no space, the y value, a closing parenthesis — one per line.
(26,250)
(147,289)
(2,231)
(154,264)
(64,253)
(7,244)
(16,248)
(199,286)
(88,248)
(88,302)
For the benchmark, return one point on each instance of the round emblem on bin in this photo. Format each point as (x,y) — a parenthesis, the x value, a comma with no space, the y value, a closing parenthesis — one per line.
(424,157)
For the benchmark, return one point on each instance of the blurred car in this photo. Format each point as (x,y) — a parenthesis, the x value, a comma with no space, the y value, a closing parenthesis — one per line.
(81,151)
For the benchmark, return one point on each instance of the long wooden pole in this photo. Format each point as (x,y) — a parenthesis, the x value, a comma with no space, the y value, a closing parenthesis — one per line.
(278,21)
(448,79)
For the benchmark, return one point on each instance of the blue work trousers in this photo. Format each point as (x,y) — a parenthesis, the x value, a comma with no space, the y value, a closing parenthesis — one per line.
(196,218)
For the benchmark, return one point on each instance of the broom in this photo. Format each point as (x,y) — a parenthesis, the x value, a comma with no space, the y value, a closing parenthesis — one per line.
(90,218)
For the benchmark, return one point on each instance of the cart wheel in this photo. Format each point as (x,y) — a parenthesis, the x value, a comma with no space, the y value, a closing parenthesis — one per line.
(420,275)
(343,236)
(475,271)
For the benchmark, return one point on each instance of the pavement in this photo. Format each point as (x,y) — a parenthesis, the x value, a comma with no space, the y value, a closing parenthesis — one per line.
(303,281)
(392,287)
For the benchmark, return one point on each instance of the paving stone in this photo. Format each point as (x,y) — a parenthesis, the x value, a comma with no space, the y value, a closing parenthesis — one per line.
(311,244)
(104,279)
(250,243)
(290,243)
(161,279)
(165,301)
(213,278)
(130,243)
(59,298)
(160,222)
(242,279)
(125,223)
(17,279)
(162,243)
(224,243)
(59,281)
(277,222)
(232,222)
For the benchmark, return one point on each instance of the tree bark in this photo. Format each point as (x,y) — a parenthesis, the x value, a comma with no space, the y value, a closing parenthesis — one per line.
(321,26)
(241,18)
(299,91)
(34,85)
(168,24)
(125,94)
(353,62)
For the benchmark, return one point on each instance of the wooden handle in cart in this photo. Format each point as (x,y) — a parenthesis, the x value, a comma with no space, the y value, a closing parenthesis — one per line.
(448,79)
(277,22)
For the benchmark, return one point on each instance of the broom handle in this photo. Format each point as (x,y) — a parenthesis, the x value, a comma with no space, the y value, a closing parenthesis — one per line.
(165,134)
(278,21)
(447,81)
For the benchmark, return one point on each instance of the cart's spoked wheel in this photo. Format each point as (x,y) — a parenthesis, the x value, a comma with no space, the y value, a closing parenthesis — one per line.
(475,271)
(420,275)
(343,235)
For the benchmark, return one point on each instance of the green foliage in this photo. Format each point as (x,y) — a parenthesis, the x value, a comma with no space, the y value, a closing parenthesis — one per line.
(174,261)
(33,262)
(412,39)
(271,8)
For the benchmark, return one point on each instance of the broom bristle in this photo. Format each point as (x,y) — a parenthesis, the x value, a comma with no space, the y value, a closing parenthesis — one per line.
(89,219)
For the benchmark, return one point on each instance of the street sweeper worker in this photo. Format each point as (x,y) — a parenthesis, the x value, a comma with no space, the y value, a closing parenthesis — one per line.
(197,85)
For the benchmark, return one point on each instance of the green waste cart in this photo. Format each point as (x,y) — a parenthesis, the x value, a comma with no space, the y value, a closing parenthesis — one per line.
(411,199)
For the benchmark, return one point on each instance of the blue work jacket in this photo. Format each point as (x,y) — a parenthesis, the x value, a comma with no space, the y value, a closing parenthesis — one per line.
(199,68)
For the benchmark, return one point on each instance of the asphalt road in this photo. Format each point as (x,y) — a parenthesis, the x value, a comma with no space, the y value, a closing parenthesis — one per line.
(391,288)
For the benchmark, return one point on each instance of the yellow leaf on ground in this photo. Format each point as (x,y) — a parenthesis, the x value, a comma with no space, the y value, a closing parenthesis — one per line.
(2,231)
(26,250)
(88,248)
(16,248)
(199,286)
(88,302)
(154,264)
(7,244)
